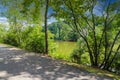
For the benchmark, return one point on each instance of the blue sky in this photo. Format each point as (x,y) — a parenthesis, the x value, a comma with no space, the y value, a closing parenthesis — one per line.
(2,18)
(51,19)
(2,8)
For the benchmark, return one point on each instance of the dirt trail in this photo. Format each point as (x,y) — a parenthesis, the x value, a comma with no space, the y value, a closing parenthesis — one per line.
(16,64)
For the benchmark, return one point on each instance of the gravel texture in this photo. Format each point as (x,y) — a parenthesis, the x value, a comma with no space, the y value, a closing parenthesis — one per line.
(16,64)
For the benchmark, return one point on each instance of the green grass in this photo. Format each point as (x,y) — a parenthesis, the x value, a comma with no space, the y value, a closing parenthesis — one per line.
(94,70)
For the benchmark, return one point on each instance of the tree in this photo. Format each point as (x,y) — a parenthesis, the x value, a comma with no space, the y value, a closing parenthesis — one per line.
(94,29)
(46,29)
(56,29)
(32,11)
(15,21)
(39,5)
(62,31)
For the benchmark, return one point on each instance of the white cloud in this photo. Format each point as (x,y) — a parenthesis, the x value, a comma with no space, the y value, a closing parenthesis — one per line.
(51,20)
(4,20)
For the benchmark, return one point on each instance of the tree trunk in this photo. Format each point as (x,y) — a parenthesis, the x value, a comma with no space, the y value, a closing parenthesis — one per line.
(46,29)
(59,33)
(108,57)
(113,58)
(76,27)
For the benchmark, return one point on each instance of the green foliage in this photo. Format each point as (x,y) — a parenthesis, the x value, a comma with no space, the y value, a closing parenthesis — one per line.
(10,39)
(80,54)
(32,39)
(2,32)
(35,40)
(116,64)
(72,36)
(62,31)
(76,55)
(100,33)
(23,31)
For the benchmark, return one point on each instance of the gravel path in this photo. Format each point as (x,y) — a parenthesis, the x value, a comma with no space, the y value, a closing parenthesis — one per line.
(16,64)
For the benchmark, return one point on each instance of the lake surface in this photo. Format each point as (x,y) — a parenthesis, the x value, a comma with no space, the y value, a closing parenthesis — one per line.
(64,49)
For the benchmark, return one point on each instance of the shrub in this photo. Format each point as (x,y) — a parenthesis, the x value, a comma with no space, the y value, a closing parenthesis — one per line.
(10,39)
(76,55)
(34,39)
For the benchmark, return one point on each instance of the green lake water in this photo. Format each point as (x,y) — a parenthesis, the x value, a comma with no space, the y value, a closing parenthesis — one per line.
(64,49)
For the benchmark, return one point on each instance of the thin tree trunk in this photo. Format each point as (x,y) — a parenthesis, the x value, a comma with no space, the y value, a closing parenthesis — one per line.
(108,57)
(95,50)
(113,58)
(88,46)
(104,34)
(46,29)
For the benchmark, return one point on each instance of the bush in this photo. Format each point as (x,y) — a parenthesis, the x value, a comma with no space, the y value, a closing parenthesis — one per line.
(76,55)
(79,55)
(32,38)
(10,39)
(116,64)
(35,43)
(35,39)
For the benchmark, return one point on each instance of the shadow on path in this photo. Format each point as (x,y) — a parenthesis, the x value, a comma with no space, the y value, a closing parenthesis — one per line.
(16,64)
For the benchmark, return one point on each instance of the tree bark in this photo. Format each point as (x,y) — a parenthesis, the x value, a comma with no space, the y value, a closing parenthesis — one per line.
(95,50)
(46,29)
